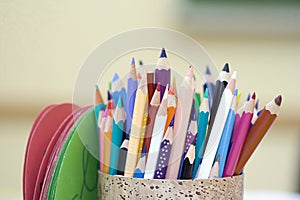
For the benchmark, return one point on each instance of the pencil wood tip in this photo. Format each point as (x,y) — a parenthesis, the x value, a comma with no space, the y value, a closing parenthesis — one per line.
(278,100)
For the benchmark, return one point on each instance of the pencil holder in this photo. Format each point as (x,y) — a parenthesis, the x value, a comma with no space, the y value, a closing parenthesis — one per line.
(120,187)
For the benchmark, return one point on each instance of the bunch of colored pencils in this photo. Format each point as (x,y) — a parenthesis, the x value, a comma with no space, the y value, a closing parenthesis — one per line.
(152,129)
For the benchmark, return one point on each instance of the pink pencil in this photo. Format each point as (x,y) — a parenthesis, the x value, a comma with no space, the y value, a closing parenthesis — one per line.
(101,138)
(239,140)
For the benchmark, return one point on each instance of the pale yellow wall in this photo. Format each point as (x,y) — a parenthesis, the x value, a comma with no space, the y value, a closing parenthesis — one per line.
(43,43)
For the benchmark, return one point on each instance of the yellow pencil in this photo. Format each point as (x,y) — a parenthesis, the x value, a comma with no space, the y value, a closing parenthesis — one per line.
(136,127)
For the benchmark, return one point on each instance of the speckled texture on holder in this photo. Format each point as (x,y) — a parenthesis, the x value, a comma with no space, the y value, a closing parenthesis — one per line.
(119,187)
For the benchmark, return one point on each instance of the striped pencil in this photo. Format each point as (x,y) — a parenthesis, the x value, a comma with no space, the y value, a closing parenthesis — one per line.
(162,72)
(164,153)
(136,126)
(202,127)
(221,84)
(171,102)
(238,143)
(226,136)
(140,167)
(187,167)
(258,131)
(184,105)
(132,86)
(154,105)
(123,156)
(209,84)
(101,138)
(117,135)
(144,126)
(157,135)
(217,128)
(118,90)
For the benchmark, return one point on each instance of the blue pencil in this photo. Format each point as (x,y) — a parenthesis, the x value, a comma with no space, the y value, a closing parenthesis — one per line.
(132,85)
(202,126)
(222,151)
(118,90)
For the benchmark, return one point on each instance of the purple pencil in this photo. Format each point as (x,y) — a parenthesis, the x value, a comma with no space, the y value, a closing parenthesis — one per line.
(164,153)
(162,72)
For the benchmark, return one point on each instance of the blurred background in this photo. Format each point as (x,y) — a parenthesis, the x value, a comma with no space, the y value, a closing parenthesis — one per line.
(43,44)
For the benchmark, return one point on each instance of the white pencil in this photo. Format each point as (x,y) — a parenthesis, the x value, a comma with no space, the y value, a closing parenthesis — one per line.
(157,135)
(217,129)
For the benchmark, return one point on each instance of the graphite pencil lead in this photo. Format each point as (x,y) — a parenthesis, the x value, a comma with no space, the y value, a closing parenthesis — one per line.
(253,95)
(256,104)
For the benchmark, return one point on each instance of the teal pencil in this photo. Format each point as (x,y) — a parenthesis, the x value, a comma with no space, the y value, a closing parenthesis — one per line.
(117,135)
(202,126)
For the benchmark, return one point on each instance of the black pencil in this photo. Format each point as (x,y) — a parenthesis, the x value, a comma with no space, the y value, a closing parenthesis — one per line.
(123,156)
(221,84)
(188,163)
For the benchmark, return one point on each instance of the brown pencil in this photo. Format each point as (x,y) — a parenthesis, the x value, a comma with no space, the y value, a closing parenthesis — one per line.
(258,131)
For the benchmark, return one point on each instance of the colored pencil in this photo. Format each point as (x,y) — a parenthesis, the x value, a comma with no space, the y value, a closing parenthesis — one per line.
(101,138)
(117,135)
(118,90)
(164,153)
(150,84)
(209,84)
(140,167)
(153,107)
(187,167)
(191,134)
(157,135)
(184,105)
(222,152)
(258,131)
(197,99)
(144,126)
(99,106)
(123,156)
(221,84)
(202,127)
(162,72)
(171,102)
(136,126)
(132,86)
(238,143)
(107,141)
(217,128)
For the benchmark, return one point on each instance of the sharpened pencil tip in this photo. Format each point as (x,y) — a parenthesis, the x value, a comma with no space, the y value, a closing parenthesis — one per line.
(248,97)
(120,102)
(207,71)
(253,95)
(115,77)
(226,67)
(191,72)
(109,96)
(172,122)
(206,93)
(278,100)
(132,61)
(97,87)
(236,91)
(163,53)
(171,90)
(141,62)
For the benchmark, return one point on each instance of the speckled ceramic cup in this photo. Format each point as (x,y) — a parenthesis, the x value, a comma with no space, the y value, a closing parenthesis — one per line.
(119,187)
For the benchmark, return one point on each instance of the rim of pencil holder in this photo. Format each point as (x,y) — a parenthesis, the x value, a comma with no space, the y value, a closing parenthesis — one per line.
(121,187)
